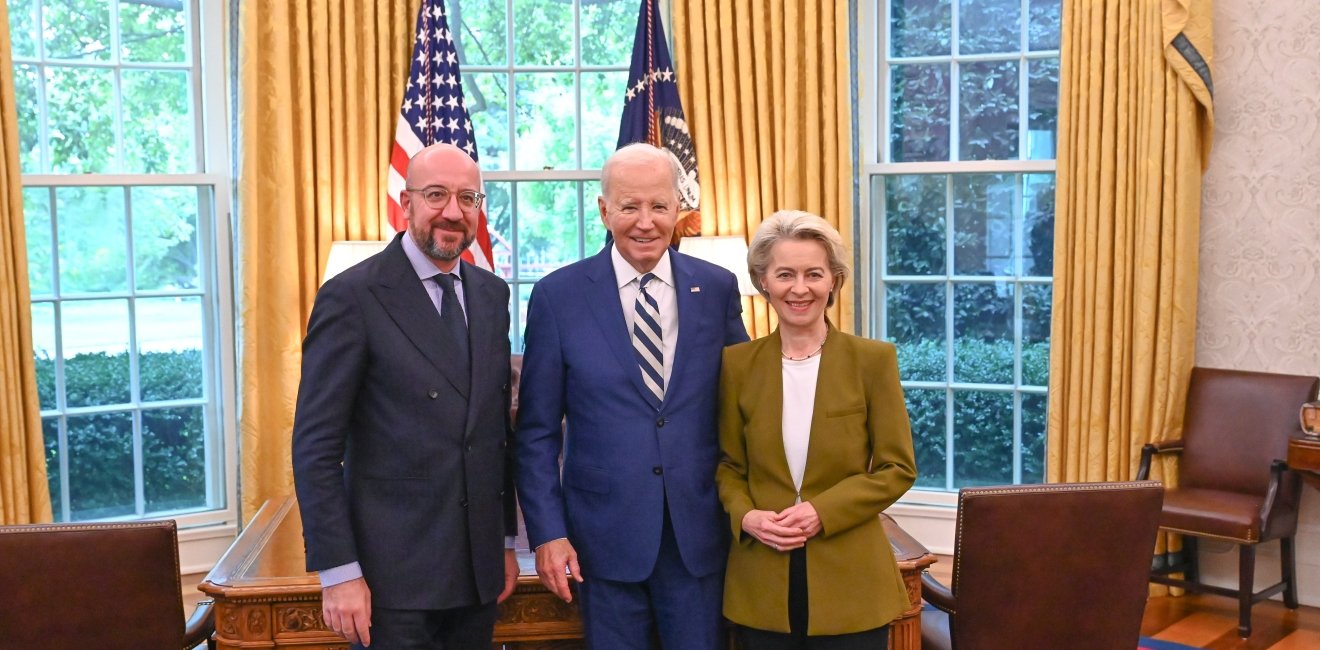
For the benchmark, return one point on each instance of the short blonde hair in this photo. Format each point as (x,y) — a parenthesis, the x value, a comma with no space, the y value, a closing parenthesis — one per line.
(801,226)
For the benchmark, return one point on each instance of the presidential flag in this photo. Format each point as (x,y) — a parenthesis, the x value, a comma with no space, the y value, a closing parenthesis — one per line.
(433,111)
(652,112)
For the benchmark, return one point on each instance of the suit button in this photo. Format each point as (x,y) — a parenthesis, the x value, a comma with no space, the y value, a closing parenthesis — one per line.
(469,447)
(463,503)
(433,393)
(661,422)
(657,470)
(501,492)
(504,443)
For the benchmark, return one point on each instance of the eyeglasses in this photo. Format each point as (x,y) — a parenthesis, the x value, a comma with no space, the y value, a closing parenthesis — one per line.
(437,197)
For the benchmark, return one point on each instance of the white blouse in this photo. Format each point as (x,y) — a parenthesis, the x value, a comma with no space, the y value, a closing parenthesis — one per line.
(799,403)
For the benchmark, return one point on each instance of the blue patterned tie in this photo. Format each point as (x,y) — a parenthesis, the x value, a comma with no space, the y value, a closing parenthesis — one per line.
(648,340)
(451,315)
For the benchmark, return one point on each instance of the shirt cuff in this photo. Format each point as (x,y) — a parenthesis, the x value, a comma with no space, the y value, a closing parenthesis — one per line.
(510,543)
(538,546)
(340,574)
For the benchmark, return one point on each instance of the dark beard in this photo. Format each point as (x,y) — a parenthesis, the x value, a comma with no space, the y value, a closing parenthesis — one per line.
(433,250)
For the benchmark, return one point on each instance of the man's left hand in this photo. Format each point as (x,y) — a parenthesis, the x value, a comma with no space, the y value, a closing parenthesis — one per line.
(510,574)
(802,516)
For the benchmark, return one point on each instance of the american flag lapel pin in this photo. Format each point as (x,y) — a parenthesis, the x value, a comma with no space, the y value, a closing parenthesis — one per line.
(695,289)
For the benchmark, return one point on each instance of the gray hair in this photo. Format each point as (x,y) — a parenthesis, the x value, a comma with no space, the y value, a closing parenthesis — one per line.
(801,226)
(636,152)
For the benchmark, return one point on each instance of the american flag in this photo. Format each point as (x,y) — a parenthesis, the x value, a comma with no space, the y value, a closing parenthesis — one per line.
(433,111)
(652,111)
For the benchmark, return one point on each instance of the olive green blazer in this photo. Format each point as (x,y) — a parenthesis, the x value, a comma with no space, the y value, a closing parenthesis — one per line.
(859,461)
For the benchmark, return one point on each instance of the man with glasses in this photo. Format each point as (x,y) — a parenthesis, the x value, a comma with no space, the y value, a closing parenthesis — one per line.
(401,439)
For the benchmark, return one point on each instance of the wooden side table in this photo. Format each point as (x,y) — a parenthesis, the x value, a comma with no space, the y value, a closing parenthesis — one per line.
(1304,456)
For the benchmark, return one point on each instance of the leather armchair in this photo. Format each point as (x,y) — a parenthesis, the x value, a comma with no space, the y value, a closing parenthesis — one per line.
(1046,566)
(1232,482)
(101,585)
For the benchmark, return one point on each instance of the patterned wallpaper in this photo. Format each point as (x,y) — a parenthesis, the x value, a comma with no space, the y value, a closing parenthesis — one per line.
(1259,296)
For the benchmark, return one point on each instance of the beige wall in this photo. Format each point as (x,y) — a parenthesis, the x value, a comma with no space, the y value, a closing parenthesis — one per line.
(1259,302)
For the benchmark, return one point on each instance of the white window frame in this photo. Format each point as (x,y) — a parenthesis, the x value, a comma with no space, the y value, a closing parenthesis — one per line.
(206,530)
(928,514)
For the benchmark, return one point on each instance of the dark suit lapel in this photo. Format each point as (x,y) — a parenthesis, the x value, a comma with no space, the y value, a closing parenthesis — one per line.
(483,309)
(692,318)
(608,312)
(410,307)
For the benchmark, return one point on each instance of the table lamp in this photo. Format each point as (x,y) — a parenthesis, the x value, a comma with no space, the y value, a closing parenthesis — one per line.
(728,251)
(344,254)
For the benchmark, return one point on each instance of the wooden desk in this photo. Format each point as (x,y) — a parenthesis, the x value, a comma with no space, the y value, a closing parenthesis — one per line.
(1304,456)
(264,598)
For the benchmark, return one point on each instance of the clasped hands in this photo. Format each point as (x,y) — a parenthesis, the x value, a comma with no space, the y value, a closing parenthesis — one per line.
(785,530)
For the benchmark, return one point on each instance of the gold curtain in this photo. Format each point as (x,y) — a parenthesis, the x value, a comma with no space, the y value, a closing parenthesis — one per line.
(24,495)
(320,82)
(1135,121)
(766,88)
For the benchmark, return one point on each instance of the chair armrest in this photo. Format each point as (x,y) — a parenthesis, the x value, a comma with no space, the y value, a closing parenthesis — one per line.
(1150,449)
(200,626)
(1273,493)
(937,594)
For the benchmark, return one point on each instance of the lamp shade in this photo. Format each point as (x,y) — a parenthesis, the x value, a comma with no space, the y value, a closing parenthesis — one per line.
(728,251)
(344,254)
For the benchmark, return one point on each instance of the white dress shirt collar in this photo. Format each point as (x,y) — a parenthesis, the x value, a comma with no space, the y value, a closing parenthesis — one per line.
(625,273)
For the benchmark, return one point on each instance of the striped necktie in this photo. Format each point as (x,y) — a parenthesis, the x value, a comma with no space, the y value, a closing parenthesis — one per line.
(648,341)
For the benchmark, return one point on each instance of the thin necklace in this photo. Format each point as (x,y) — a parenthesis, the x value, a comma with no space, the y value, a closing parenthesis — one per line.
(816,352)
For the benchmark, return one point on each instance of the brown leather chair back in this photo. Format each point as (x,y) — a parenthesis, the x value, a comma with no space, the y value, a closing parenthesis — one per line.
(1053,566)
(104,585)
(1237,424)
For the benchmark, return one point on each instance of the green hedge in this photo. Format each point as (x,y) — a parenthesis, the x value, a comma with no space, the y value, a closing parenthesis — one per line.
(100,446)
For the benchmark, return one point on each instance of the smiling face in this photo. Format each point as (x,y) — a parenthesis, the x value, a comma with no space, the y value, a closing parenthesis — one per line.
(640,209)
(797,282)
(445,233)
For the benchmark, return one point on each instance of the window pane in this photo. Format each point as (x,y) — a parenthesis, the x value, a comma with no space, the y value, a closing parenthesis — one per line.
(93,241)
(77,29)
(165,253)
(914,223)
(50,433)
(499,219)
(28,99)
(482,31)
(915,315)
(1036,301)
(1042,108)
(593,228)
(43,350)
(602,97)
(101,466)
(81,120)
(983,333)
(920,27)
(488,106)
(174,458)
(1043,30)
(36,221)
(23,28)
(169,338)
(989,26)
(926,410)
(524,296)
(547,135)
(982,438)
(919,129)
(547,227)
(608,29)
(1033,437)
(153,32)
(95,335)
(983,224)
(1038,224)
(988,108)
(543,32)
(158,125)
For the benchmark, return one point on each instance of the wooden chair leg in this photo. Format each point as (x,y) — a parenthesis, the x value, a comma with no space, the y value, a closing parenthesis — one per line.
(1288,565)
(1190,559)
(1246,586)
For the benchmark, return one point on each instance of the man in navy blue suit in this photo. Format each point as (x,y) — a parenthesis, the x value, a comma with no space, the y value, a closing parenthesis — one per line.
(400,440)
(626,347)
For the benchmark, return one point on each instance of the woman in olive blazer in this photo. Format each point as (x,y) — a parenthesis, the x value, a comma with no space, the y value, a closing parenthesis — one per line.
(805,471)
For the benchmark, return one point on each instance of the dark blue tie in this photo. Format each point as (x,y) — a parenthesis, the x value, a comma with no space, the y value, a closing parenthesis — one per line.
(451,314)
